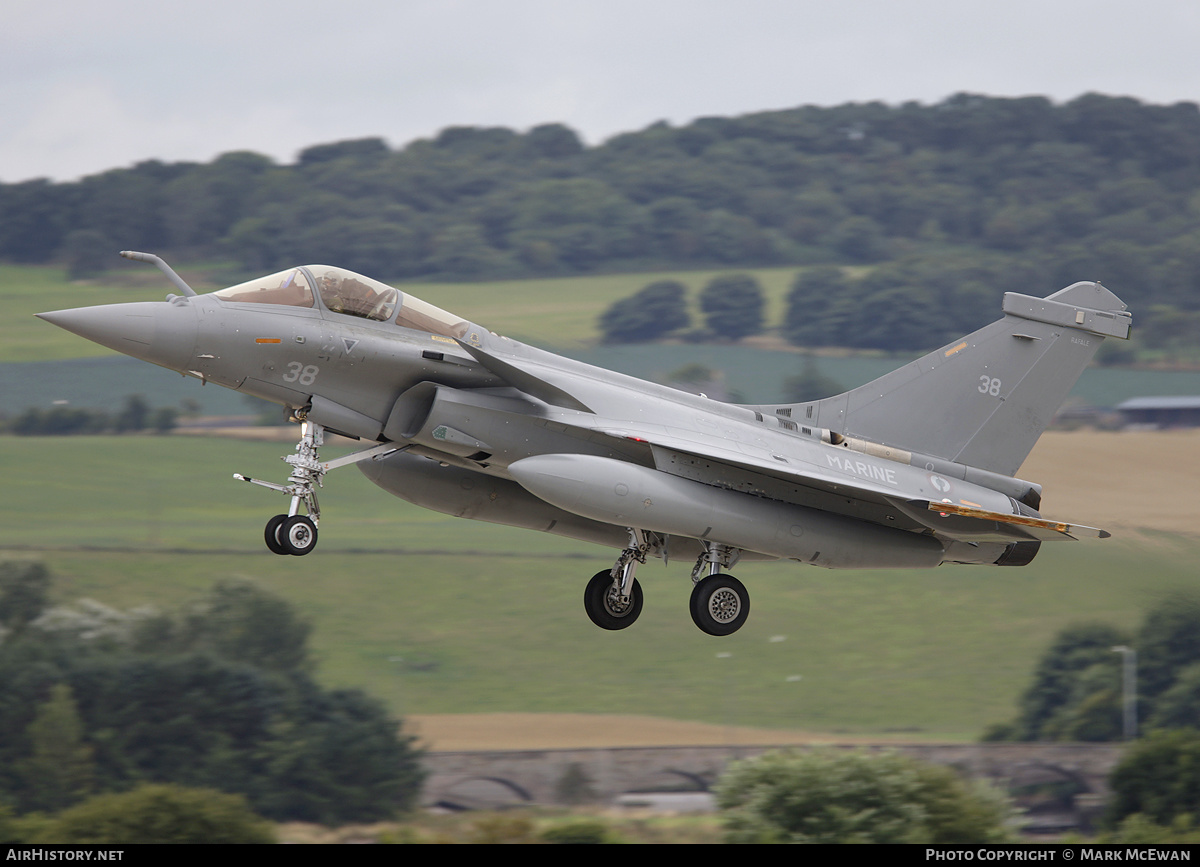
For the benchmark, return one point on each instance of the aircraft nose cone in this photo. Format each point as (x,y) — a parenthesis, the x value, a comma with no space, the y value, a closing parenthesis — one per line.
(113,325)
(153,331)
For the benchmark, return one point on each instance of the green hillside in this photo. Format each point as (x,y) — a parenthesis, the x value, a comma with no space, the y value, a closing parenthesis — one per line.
(554,312)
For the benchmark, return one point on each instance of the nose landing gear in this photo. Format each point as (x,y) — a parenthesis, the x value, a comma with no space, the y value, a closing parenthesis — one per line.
(295,533)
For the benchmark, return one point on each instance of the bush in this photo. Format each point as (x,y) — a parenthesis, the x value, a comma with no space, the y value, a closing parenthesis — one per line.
(578,831)
(1158,778)
(1137,830)
(831,796)
(502,828)
(159,814)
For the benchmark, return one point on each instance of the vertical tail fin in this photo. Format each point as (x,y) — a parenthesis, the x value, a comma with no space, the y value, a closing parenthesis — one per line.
(985,399)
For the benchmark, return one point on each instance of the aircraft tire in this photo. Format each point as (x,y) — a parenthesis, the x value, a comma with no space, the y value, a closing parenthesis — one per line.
(298,535)
(271,535)
(605,611)
(720,605)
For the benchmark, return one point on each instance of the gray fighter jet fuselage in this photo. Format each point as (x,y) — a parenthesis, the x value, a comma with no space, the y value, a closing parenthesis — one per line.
(912,470)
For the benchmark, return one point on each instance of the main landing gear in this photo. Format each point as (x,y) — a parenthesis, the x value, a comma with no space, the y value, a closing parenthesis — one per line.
(719,603)
(294,533)
(613,598)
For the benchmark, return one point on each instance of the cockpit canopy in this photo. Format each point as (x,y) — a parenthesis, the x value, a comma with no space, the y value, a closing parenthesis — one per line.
(347,293)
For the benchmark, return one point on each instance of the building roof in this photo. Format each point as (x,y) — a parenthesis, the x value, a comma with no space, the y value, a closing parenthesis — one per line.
(1166,402)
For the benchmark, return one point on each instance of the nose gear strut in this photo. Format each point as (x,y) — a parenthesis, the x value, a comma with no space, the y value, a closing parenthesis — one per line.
(294,533)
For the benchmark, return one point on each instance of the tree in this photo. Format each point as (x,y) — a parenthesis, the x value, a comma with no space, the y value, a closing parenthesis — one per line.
(1093,710)
(164,419)
(553,141)
(133,416)
(814,294)
(1178,706)
(154,813)
(733,306)
(36,218)
(242,622)
(1076,692)
(1167,643)
(732,238)
(653,311)
(810,384)
(461,251)
(830,796)
(24,592)
(338,757)
(1158,778)
(363,147)
(586,220)
(860,239)
(905,315)
(60,771)
(574,786)
(219,697)
(59,421)
(87,252)
(1071,672)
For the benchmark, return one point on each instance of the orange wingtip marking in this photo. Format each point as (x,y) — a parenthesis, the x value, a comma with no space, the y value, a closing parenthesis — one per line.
(1018,520)
(267,340)
(955,349)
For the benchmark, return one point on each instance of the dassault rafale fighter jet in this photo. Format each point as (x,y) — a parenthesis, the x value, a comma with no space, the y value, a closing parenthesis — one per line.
(912,470)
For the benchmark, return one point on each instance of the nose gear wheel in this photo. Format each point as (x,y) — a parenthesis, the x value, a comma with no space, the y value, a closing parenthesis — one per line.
(298,535)
(294,533)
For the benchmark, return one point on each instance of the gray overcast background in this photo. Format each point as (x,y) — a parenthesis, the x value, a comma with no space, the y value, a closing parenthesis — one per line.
(88,86)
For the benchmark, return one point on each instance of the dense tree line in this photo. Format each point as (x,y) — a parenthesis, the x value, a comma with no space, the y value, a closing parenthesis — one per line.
(1097,188)
(218,695)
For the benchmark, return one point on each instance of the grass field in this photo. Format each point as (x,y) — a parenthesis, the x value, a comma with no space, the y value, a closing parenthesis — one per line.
(440,616)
